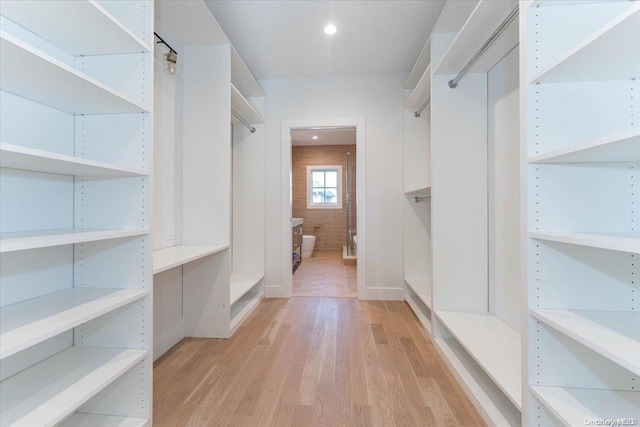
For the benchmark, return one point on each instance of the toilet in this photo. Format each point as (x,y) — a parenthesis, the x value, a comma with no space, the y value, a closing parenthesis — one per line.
(308,242)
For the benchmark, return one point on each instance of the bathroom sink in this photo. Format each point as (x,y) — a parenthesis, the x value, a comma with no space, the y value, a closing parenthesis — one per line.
(296,222)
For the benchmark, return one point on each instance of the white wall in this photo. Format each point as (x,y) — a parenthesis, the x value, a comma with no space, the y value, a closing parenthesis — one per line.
(377,99)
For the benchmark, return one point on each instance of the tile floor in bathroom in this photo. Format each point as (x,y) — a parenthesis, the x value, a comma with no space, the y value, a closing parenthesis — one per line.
(323,275)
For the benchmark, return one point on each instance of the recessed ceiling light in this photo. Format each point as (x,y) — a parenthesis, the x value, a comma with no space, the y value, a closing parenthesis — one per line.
(330,29)
(314,137)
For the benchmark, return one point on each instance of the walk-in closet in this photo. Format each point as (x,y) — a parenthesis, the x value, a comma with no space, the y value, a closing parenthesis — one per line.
(165,165)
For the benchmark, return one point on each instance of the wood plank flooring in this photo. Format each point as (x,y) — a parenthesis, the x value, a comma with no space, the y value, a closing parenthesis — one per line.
(323,275)
(312,361)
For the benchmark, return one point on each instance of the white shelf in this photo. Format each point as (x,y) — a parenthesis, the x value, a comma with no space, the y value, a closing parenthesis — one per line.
(421,92)
(30,322)
(602,56)
(613,334)
(573,406)
(484,20)
(10,242)
(32,74)
(48,392)
(423,317)
(621,147)
(241,106)
(481,334)
(18,157)
(416,286)
(242,314)
(421,64)
(77,27)
(493,405)
(241,284)
(242,78)
(625,242)
(168,258)
(423,191)
(93,420)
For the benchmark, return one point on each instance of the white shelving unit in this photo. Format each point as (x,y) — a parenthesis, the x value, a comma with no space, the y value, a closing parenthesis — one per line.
(613,334)
(32,74)
(417,179)
(620,147)
(481,334)
(88,370)
(25,240)
(30,322)
(573,406)
(29,159)
(78,420)
(474,206)
(477,28)
(622,241)
(581,148)
(241,284)
(209,274)
(75,302)
(174,256)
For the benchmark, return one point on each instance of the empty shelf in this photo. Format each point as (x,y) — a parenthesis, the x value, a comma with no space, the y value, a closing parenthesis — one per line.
(616,60)
(30,322)
(621,147)
(492,344)
(10,242)
(18,157)
(168,258)
(241,106)
(72,377)
(77,27)
(242,310)
(421,92)
(421,288)
(625,242)
(32,74)
(480,388)
(93,420)
(243,283)
(613,334)
(422,191)
(573,406)
(484,20)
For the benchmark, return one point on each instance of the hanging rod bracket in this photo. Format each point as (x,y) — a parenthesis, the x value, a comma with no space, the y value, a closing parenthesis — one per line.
(453,83)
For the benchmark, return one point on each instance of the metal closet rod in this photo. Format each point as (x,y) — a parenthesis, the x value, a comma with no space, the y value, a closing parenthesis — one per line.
(418,199)
(454,83)
(164,43)
(243,121)
(422,107)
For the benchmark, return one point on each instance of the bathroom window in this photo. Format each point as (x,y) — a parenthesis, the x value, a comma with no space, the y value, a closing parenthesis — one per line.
(324,187)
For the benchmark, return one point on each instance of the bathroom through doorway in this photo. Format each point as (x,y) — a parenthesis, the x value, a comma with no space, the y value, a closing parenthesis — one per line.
(323,203)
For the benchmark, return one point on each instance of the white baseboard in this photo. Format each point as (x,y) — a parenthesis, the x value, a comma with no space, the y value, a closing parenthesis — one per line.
(164,342)
(276,292)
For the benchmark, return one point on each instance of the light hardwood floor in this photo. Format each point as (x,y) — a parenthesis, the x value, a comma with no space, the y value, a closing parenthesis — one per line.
(323,275)
(311,361)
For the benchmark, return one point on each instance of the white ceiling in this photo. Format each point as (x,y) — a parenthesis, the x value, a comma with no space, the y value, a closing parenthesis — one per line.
(285,39)
(300,137)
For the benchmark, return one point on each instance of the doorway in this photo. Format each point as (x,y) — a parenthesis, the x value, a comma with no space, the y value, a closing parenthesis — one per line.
(324,204)
(323,221)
